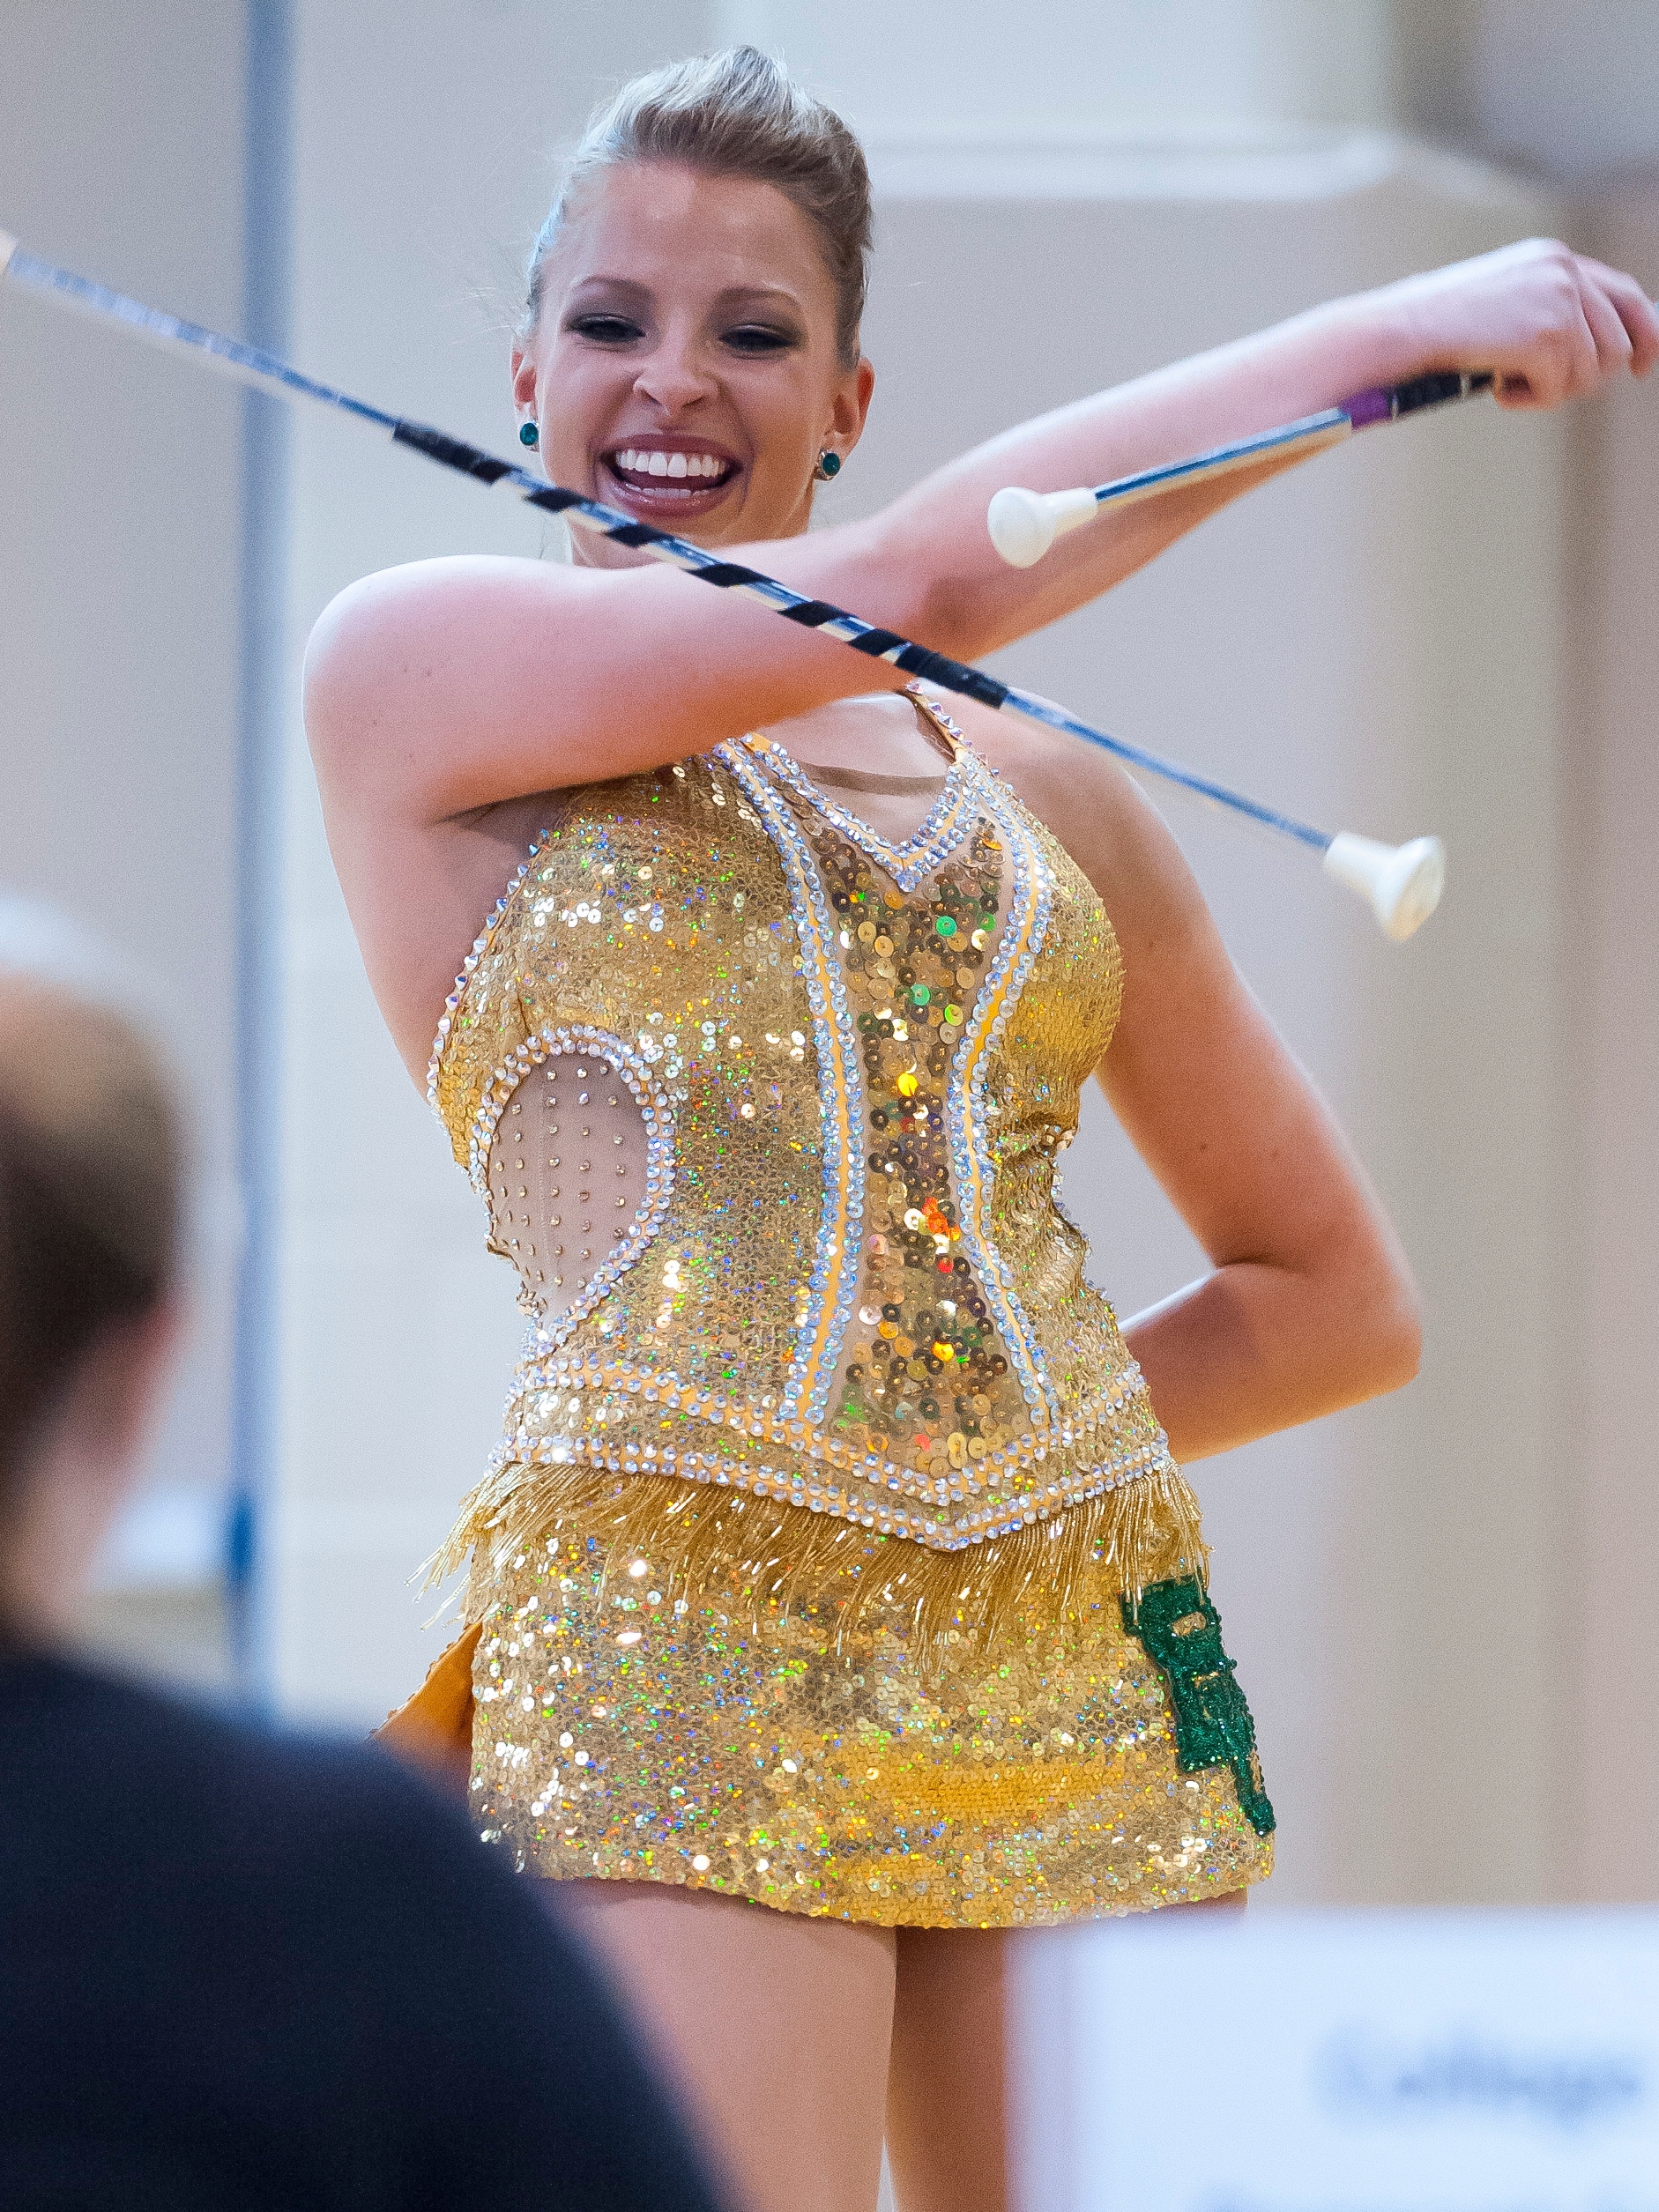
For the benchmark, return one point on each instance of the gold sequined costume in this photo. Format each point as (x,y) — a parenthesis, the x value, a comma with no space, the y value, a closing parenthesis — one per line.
(834,1557)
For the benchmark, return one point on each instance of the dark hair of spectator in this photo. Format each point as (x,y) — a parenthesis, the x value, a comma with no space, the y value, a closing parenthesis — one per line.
(90,1182)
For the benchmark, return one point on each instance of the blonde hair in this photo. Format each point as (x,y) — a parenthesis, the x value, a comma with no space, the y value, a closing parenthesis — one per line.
(735,114)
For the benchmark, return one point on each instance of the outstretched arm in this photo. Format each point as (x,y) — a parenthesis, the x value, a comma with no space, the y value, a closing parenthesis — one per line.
(452,684)
(1548,325)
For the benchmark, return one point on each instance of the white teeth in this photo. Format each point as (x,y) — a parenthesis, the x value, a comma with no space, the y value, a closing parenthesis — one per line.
(635,463)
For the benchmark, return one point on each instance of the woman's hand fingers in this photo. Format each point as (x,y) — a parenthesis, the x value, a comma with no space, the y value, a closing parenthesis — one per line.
(1547,324)
(1544,326)
(1635,310)
(1580,341)
(1607,331)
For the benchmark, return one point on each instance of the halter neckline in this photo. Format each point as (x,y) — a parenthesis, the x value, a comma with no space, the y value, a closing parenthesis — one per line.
(949,820)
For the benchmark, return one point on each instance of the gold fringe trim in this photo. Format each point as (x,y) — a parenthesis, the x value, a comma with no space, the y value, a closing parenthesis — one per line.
(781,1556)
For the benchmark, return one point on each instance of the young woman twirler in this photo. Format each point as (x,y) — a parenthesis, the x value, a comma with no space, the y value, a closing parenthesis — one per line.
(838,1607)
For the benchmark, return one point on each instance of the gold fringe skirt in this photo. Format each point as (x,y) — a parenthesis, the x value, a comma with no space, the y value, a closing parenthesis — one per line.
(687,1685)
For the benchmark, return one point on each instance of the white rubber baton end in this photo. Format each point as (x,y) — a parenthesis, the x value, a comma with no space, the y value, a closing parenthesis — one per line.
(1019,526)
(8,247)
(1401,883)
(1024,524)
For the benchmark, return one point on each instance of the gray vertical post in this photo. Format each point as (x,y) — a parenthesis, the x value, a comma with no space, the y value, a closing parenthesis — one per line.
(259,746)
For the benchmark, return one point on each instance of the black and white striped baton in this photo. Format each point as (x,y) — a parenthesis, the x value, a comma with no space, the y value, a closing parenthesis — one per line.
(1401,883)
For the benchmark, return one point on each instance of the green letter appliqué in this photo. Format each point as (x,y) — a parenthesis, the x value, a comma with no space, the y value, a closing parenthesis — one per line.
(1181,1631)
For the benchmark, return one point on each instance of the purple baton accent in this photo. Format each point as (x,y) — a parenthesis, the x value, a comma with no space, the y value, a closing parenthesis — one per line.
(1366,407)
(1382,403)
(1387,402)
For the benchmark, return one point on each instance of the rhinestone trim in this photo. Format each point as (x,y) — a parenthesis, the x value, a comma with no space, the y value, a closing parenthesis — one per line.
(552,1042)
(481,945)
(968,1111)
(947,821)
(835,1274)
(799,1483)
(972,789)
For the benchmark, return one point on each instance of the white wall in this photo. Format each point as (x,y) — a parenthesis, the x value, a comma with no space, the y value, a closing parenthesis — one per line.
(1574,89)
(1228,70)
(121,154)
(1610,1422)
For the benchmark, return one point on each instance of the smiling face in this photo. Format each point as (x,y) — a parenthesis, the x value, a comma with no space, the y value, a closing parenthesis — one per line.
(684,368)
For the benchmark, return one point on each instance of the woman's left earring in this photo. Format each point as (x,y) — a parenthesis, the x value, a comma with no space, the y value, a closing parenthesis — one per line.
(528,434)
(829,465)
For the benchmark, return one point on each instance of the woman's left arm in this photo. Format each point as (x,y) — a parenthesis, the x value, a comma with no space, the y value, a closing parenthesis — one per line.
(1310,1305)
(1552,325)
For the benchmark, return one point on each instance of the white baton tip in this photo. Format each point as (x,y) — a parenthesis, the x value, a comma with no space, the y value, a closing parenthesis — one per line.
(1024,524)
(1403,883)
(8,247)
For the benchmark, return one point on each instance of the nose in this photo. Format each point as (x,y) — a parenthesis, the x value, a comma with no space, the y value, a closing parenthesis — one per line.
(675,378)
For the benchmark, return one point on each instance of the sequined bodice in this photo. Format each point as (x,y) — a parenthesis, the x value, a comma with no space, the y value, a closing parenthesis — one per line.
(765,1108)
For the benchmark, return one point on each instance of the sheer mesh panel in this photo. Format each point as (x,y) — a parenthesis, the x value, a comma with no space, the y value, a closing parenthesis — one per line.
(567,1177)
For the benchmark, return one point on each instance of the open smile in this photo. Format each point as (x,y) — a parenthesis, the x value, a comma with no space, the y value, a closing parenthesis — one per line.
(679,476)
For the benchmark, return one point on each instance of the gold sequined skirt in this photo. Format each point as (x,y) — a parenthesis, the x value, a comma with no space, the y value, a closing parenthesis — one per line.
(810,1763)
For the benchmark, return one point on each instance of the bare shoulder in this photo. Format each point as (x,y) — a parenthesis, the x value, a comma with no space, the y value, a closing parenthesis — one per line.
(1103,818)
(385,647)
(384,609)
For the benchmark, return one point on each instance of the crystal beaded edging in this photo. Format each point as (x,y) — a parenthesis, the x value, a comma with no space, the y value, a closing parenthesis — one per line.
(523,1450)
(972,789)
(947,822)
(593,1370)
(839,1242)
(1019,943)
(481,945)
(553,1042)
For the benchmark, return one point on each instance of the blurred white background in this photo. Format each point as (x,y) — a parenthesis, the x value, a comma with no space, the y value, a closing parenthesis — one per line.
(1439,1604)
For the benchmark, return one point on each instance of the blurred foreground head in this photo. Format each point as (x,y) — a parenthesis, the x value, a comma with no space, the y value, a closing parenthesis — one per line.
(91,1172)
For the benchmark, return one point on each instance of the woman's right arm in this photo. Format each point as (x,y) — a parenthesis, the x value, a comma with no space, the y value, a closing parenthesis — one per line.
(452,684)
(455,684)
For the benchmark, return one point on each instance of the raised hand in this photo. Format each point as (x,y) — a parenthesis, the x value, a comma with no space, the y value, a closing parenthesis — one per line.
(1548,325)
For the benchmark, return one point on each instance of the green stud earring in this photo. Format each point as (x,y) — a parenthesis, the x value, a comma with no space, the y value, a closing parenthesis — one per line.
(829,465)
(528,434)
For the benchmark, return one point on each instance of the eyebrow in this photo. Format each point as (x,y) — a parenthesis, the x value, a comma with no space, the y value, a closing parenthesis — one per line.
(759,291)
(631,288)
